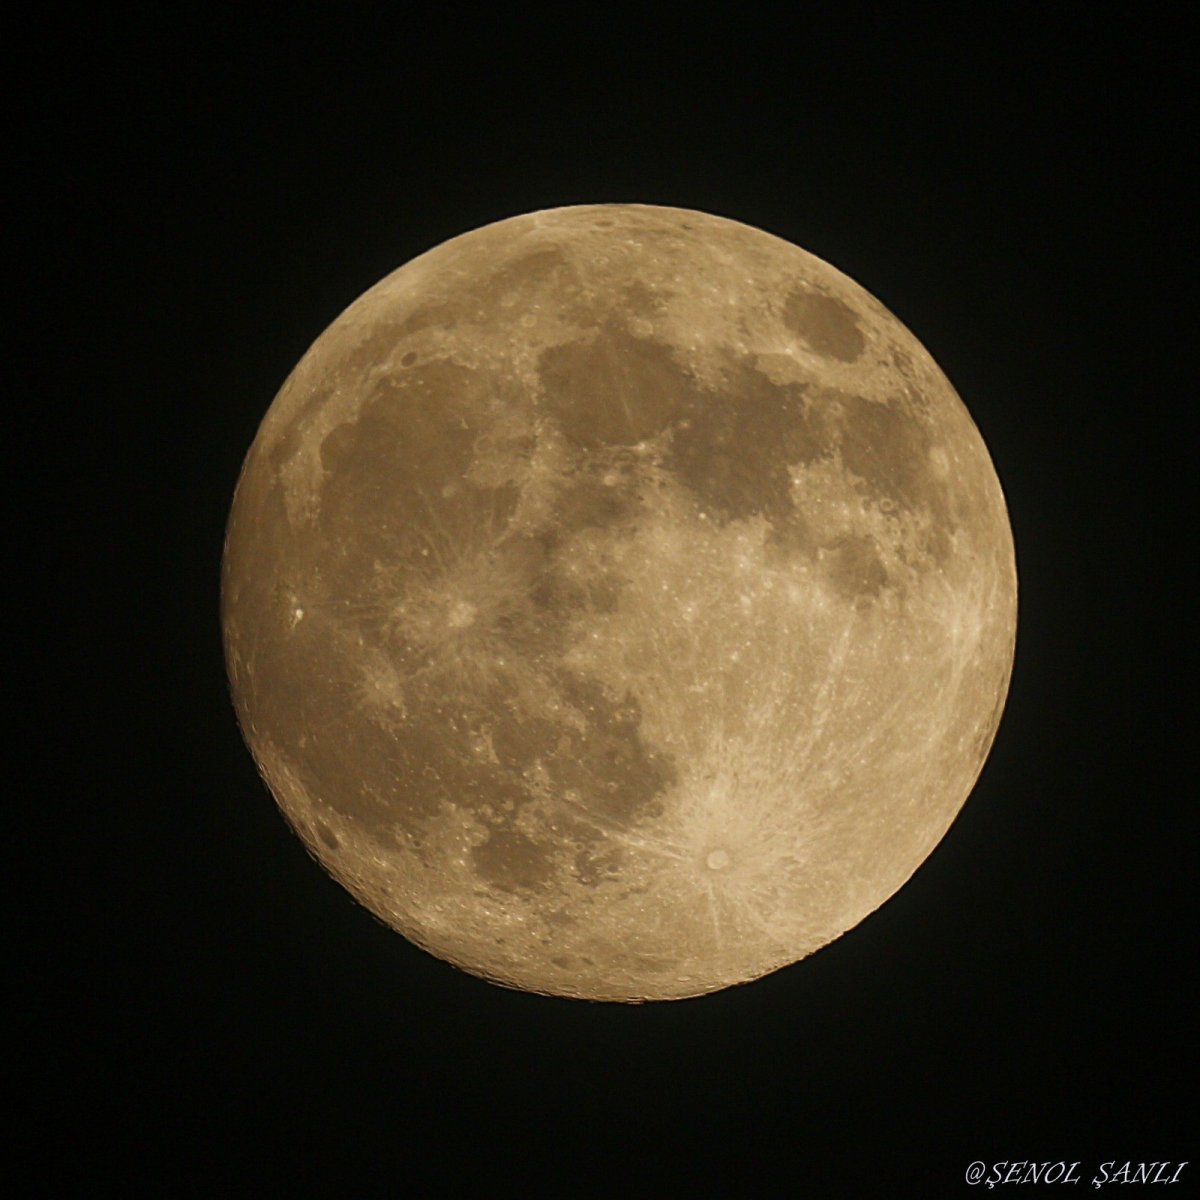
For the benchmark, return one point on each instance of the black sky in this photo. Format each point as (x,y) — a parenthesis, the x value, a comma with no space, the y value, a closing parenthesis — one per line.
(205,1013)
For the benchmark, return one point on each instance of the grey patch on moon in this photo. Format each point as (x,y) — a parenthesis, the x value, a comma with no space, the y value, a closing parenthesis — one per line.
(620,602)
(824,324)
(612,389)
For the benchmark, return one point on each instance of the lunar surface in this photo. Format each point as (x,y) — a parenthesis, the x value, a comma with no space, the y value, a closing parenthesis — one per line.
(619,602)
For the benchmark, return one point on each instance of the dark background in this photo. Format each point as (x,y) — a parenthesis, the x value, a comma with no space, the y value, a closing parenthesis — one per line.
(204,1011)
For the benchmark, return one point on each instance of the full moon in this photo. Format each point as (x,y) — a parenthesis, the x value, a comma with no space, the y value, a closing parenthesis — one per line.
(619,602)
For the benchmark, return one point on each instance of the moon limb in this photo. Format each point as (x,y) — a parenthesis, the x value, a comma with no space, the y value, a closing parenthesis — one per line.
(758,611)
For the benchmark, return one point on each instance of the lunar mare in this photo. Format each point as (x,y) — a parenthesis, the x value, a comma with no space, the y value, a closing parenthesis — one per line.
(619,601)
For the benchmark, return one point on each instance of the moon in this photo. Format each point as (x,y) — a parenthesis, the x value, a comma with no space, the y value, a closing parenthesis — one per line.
(619,602)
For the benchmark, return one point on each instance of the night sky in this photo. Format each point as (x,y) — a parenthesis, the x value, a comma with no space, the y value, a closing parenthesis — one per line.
(205,1012)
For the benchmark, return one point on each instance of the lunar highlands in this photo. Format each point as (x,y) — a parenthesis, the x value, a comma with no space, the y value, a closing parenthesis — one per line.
(619,602)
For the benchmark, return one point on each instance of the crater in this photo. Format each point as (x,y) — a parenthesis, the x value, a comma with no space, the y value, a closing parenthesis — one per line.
(462,614)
